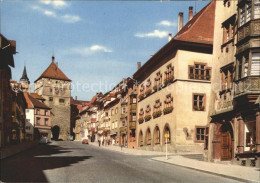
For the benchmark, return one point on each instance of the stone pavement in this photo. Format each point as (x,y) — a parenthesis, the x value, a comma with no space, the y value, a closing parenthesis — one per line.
(17,148)
(247,174)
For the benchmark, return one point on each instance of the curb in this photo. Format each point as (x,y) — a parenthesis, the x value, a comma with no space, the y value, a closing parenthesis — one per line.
(205,171)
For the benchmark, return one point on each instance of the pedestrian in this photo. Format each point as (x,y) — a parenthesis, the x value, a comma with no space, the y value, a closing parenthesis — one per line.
(102,142)
(99,143)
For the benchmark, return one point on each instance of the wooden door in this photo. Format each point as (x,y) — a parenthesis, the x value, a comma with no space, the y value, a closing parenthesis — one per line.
(226,146)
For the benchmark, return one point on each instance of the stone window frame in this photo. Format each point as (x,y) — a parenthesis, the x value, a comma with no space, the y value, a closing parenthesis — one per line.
(158,79)
(227,76)
(157,106)
(201,134)
(198,107)
(229,29)
(168,102)
(206,70)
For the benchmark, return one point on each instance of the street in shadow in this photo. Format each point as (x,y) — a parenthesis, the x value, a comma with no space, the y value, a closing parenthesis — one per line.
(28,166)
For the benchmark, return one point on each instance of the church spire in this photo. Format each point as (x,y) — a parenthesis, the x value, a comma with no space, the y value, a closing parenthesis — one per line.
(24,76)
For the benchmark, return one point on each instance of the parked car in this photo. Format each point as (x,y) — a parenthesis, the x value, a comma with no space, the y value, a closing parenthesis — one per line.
(85,141)
(70,138)
(43,140)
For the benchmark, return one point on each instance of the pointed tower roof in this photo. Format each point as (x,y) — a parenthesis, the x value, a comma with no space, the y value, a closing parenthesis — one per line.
(24,76)
(53,72)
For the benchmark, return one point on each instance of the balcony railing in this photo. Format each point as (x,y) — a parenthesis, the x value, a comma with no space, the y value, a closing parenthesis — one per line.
(247,85)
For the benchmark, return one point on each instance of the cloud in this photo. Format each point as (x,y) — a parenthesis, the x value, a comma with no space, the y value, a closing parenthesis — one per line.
(49,13)
(70,18)
(167,23)
(155,33)
(67,18)
(91,50)
(57,4)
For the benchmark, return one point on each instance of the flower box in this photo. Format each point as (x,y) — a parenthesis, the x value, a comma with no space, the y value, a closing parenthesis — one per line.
(207,77)
(200,108)
(167,110)
(191,76)
(168,80)
(197,76)
(147,118)
(141,120)
(157,114)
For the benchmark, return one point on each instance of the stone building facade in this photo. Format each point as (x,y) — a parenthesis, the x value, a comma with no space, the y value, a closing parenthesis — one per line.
(174,88)
(55,87)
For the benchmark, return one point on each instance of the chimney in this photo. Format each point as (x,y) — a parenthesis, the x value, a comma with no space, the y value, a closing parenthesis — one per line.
(169,37)
(180,21)
(138,65)
(190,13)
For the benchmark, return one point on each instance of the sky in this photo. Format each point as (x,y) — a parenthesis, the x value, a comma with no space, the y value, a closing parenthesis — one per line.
(96,43)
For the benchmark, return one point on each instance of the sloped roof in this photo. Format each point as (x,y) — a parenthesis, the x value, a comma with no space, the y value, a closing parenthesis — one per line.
(201,27)
(36,96)
(34,103)
(53,72)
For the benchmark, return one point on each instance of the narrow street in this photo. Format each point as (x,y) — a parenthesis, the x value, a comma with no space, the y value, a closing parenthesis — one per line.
(74,162)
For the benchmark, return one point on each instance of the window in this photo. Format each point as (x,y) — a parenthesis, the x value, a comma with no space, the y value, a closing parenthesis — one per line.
(123,110)
(46,120)
(141,115)
(199,71)
(257,9)
(61,100)
(46,113)
(37,111)
(106,114)
(133,115)
(227,76)
(134,100)
(168,101)
(116,110)
(169,74)
(198,102)
(157,106)
(158,80)
(50,99)
(38,121)
(242,16)
(50,90)
(200,134)
(248,11)
(255,67)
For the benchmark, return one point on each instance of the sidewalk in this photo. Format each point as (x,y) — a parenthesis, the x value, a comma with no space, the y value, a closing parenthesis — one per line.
(130,151)
(15,149)
(248,174)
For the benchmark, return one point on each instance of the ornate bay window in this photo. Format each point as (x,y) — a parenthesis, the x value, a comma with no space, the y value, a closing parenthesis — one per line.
(199,71)
(168,104)
(248,10)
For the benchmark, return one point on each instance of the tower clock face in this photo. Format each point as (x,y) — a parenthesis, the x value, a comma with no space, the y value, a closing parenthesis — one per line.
(57,90)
